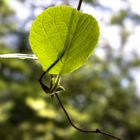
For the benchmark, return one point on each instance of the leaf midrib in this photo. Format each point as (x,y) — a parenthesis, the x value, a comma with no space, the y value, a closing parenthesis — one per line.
(68,42)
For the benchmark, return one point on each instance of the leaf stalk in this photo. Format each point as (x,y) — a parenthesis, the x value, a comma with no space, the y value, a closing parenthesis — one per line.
(79,5)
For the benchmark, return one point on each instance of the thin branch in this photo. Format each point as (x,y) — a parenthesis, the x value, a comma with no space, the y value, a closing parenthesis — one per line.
(18,55)
(72,124)
(79,129)
(79,5)
(44,87)
(70,121)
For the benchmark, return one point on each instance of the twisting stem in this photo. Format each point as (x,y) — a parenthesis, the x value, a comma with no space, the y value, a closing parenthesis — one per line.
(41,82)
(72,124)
(69,117)
(79,129)
(79,5)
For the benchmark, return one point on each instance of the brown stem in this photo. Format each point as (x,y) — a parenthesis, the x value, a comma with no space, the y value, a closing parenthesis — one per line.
(44,87)
(72,124)
(79,129)
(79,5)
(70,121)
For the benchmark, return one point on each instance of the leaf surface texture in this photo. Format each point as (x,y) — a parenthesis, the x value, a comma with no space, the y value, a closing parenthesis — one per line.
(62,33)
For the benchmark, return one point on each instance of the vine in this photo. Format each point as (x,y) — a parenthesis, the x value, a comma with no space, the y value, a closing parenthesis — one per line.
(55,85)
(55,89)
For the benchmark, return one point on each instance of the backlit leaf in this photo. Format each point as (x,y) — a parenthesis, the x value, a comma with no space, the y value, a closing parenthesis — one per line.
(63,32)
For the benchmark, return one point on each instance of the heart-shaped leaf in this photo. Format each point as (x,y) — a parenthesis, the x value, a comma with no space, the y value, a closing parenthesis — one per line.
(64,34)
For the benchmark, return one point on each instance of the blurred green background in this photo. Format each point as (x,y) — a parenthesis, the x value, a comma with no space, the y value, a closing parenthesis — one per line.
(101,94)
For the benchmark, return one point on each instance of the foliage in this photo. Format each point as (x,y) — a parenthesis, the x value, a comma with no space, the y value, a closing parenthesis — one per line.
(5,12)
(118,19)
(63,32)
(101,94)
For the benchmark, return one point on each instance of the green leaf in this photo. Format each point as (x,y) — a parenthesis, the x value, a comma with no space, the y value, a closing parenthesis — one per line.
(62,33)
